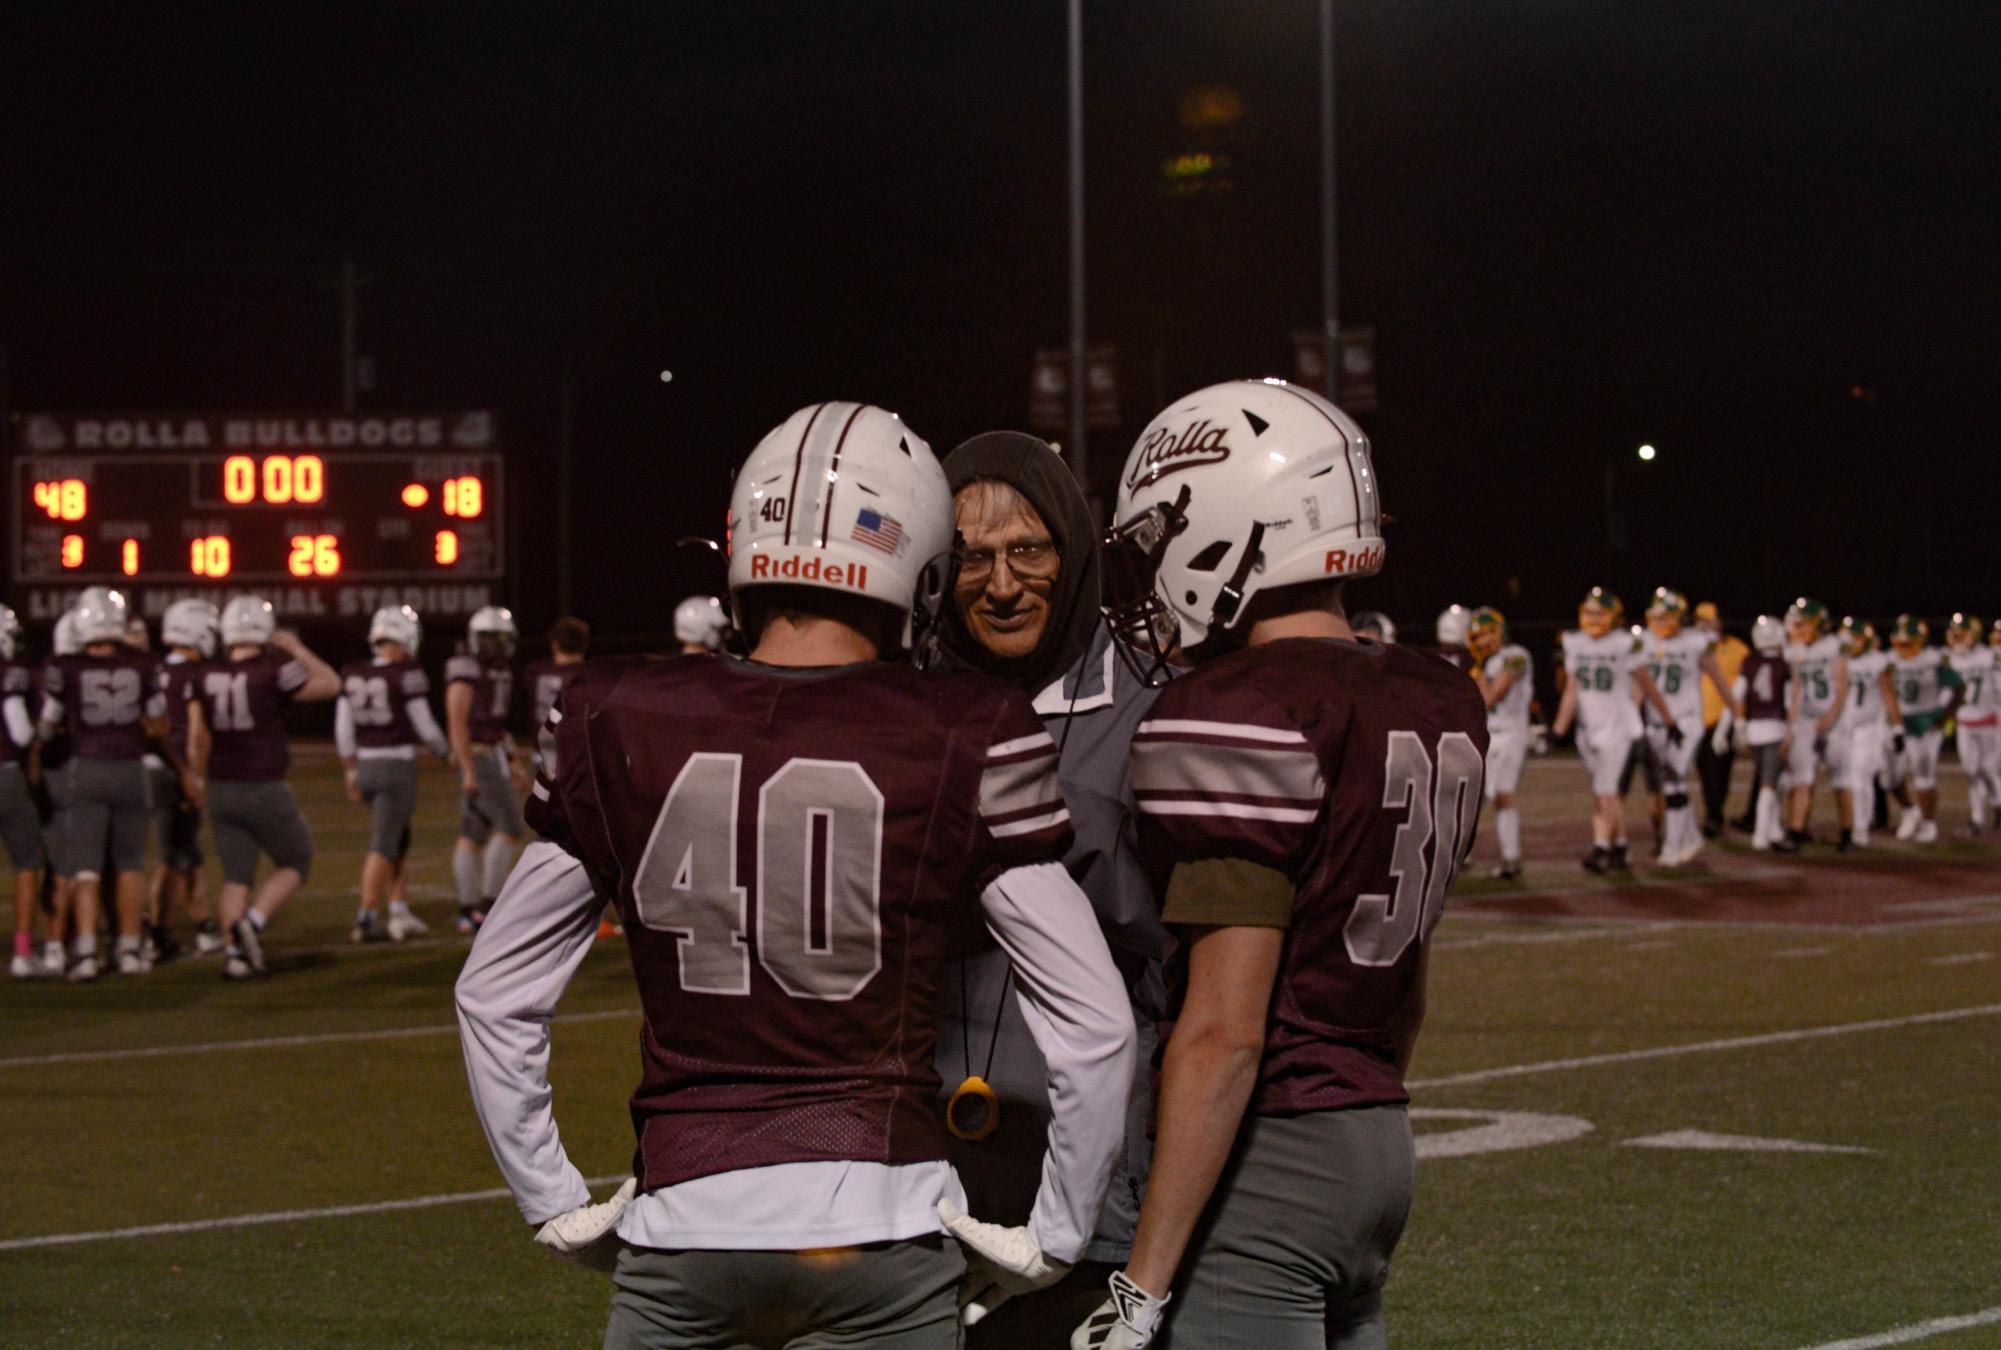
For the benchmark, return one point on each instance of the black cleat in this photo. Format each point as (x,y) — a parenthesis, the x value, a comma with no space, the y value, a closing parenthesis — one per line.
(1786,843)
(165,946)
(1620,862)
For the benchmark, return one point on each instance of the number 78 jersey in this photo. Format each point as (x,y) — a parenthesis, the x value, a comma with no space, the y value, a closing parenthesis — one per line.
(794,854)
(1355,770)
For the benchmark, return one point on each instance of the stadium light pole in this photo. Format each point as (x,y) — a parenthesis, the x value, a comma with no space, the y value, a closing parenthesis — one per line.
(1330,303)
(1078,454)
(1646,454)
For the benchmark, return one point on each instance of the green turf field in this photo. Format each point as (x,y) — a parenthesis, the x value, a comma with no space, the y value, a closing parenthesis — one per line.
(306,1146)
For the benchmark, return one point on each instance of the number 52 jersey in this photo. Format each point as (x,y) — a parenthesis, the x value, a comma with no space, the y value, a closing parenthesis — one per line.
(794,854)
(1355,770)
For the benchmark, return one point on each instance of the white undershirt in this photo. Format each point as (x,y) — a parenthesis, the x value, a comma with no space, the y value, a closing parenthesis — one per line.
(1070,994)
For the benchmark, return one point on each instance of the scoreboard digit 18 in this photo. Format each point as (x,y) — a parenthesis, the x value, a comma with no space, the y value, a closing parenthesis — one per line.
(248,499)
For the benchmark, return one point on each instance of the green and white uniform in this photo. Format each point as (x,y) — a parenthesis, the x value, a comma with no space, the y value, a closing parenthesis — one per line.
(1816,666)
(1924,684)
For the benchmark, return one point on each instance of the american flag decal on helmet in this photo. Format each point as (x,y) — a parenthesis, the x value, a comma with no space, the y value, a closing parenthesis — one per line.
(878,531)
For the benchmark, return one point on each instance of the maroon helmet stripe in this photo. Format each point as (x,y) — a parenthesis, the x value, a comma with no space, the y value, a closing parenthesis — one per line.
(833,473)
(1346,457)
(799,458)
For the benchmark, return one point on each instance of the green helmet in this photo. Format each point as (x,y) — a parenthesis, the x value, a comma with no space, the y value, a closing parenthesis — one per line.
(1909,634)
(1809,612)
(1858,636)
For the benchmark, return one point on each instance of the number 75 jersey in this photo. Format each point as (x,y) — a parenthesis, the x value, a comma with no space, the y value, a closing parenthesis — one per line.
(794,854)
(1355,770)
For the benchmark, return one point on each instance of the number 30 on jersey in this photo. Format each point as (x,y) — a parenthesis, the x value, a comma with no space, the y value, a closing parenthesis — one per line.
(1442,799)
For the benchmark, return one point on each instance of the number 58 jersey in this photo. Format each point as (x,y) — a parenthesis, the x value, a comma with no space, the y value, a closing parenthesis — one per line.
(794,854)
(1355,770)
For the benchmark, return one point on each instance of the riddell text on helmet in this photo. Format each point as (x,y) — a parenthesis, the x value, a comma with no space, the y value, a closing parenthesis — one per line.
(1342,561)
(763,567)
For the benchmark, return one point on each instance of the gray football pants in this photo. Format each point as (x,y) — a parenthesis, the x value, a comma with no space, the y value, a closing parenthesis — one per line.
(253,817)
(890,1295)
(1295,1246)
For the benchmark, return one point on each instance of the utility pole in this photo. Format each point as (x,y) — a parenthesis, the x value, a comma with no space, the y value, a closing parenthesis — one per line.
(1079,457)
(349,283)
(1330,300)
(565,479)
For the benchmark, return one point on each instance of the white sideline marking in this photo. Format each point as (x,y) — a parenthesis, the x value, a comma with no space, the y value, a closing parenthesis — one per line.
(1742,1143)
(275,1216)
(1917,1331)
(1963,959)
(1704,1047)
(1792,953)
(274,1042)
(1495,1132)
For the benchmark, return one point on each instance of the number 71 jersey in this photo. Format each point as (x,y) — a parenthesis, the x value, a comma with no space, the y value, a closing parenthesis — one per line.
(1355,770)
(794,854)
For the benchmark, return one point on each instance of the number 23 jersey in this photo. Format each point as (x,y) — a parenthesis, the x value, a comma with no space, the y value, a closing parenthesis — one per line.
(794,853)
(1355,770)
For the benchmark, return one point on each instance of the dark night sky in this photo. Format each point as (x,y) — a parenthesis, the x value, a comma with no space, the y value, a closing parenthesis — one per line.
(1575,225)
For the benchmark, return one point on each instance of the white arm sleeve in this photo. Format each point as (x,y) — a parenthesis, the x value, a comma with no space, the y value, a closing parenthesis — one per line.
(426,726)
(343,729)
(20,727)
(1078,1011)
(530,945)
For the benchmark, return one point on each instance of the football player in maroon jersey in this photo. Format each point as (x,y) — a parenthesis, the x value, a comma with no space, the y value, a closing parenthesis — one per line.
(238,743)
(1315,796)
(479,701)
(383,714)
(797,841)
(20,826)
(188,631)
(105,702)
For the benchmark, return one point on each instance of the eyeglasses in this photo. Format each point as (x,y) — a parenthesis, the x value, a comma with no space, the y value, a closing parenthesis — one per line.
(1029,560)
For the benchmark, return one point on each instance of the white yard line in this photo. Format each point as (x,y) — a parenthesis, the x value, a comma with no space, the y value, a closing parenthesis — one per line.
(275,1216)
(1703,1047)
(1917,1331)
(276,1042)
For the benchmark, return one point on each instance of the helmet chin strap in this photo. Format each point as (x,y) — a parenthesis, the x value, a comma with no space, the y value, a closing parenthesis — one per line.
(1231,598)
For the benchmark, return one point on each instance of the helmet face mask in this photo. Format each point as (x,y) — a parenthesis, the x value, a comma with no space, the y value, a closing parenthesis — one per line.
(194,624)
(1910,635)
(1600,613)
(491,632)
(1141,619)
(1667,612)
(1768,634)
(1806,621)
(1485,632)
(1963,633)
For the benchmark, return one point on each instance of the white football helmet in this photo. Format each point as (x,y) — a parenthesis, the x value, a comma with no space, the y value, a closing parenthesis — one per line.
(10,632)
(193,624)
(1236,489)
(844,496)
(396,623)
(1374,620)
(1453,624)
(100,615)
(494,624)
(700,618)
(65,642)
(1768,634)
(248,620)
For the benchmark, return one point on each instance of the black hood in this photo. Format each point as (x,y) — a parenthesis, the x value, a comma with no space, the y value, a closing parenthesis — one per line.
(1038,473)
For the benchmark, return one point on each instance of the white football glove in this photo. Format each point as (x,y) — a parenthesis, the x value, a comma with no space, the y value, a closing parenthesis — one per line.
(1125,1321)
(588,1234)
(1000,1263)
(1719,740)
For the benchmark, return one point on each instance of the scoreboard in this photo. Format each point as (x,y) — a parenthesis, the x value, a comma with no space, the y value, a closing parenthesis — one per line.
(258,501)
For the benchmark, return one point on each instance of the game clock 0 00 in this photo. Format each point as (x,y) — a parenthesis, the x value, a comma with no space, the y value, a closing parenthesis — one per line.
(257,498)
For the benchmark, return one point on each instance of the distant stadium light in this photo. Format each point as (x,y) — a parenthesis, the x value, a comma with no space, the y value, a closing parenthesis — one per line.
(666,377)
(1647,452)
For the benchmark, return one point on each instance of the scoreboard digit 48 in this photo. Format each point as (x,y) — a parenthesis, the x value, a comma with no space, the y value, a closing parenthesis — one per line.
(257,498)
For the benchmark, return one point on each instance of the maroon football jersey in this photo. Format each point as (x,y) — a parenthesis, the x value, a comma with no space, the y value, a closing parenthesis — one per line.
(378,697)
(178,680)
(1354,769)
(16,681)
(1766,675)
(101,702)
(244,703)
(543,680)
(794,854)
(492,695)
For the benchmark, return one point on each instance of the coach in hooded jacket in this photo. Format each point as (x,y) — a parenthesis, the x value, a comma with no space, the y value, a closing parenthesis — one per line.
(1026,610)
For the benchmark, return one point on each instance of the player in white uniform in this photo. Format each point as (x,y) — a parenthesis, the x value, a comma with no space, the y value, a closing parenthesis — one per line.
(1922,693)
(1606,677)
(1865,723)
(1677,657)
(1506,679)
(1820,697)
(1978,726)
